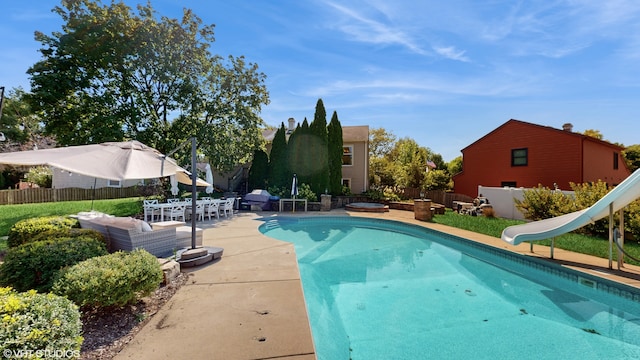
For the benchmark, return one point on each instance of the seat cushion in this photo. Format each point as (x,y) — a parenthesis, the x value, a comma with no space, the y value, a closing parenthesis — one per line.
(128,223)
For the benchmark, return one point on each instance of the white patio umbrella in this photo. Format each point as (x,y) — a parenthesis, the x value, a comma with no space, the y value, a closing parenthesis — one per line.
(174,185)
(111,160)
(294,191)
(209,179)
(294,186)
(184,177)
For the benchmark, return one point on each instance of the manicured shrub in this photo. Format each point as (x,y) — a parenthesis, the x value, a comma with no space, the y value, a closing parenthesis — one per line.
(305,192)
(632,219)
(587,194)
(34,265)
(23,230)
(112,280)
(63,233)
(39,325)
(542,203)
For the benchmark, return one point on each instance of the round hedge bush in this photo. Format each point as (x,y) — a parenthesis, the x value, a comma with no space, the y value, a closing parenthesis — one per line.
(112,280)
(22,231)
(46,325)
(34,265)
(56,234)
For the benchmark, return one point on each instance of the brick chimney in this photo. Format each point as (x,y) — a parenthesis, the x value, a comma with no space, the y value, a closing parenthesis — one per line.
(567,127)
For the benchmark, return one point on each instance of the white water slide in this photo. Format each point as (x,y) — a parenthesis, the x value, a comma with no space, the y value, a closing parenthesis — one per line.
(623,194)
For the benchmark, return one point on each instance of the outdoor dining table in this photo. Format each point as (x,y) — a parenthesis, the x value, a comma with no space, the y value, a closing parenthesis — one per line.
(162,206)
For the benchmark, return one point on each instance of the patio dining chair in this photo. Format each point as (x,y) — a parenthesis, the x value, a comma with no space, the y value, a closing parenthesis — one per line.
(199,211)
(213,209)
(226,207)
(151,211)
(176,212)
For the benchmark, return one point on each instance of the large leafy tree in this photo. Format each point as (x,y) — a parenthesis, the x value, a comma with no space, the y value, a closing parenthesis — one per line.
(381,143)
(411,160)
(335,144)
(455,166)
(632,156)
(403,163)
(111,74)
(594,134)
(19,122)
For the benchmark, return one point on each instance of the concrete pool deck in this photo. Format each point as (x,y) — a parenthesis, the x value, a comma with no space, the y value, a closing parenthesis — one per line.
(250,304)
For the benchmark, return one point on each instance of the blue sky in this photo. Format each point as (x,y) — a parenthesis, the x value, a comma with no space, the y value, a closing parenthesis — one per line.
(443,73)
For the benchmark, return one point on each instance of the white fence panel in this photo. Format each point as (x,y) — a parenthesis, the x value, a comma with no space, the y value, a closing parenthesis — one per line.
(502,200)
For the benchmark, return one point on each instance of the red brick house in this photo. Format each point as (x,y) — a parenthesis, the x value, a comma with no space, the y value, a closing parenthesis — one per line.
(521,154)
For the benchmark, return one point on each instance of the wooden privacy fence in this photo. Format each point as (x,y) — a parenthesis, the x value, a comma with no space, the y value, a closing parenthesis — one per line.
(40,195)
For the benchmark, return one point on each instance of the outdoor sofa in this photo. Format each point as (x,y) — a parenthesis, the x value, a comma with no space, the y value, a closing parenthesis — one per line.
(125,233)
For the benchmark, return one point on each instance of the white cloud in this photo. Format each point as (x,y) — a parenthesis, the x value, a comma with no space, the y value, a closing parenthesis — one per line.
(362,28)
(452,53)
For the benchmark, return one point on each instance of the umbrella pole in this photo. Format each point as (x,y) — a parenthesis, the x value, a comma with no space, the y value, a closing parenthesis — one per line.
(194,194)
(93,196)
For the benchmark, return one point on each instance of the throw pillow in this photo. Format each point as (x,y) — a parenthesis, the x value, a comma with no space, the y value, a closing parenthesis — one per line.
(145,226)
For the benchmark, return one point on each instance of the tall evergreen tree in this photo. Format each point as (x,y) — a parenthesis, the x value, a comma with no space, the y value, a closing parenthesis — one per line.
(334,137)
(259,170)
(299,160)
(317,150)
(278,168)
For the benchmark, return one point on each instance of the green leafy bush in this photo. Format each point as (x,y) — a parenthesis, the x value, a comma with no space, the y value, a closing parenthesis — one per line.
(24,230)
(375,194)
(34,265)
(305,192)
(542,203)
(115,280)
(279,191)
(587,194)
(632,219)
(63,233)
(46,325)
(40,175)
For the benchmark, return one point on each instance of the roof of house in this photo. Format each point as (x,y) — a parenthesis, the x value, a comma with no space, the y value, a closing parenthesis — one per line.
(358,133)
(548,128)
(269,134)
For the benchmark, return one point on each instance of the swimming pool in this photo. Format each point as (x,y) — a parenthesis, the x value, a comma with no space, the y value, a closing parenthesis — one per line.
(380,289)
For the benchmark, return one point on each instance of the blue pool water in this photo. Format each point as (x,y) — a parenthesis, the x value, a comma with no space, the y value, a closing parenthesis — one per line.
(379,289)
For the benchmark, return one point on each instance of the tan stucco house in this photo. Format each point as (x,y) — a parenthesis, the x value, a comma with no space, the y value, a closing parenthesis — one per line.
(355,150)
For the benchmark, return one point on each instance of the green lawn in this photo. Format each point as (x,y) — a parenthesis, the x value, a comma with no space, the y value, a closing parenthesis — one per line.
(10,214)
(579,243)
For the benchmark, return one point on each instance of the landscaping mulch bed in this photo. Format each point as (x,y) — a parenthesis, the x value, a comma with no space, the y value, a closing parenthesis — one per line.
(107,332)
